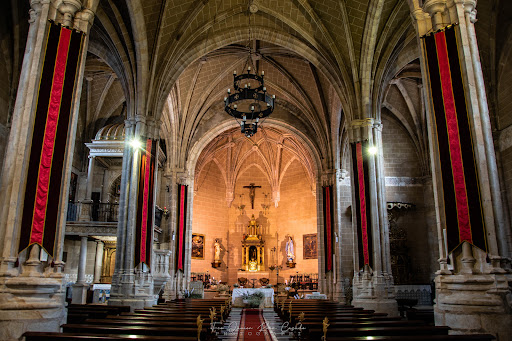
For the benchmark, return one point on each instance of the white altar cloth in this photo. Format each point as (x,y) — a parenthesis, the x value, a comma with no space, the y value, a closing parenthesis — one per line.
(238,293)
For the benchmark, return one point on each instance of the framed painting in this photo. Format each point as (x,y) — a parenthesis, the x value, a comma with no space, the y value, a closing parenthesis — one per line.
(310,249)
(197,246)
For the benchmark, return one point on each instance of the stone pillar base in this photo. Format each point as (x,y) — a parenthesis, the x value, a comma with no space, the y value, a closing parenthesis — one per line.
(134,303)
(387,306)
(338,294)
(80,293)
(13,323)
(471,304)
(30,304)
(375,292)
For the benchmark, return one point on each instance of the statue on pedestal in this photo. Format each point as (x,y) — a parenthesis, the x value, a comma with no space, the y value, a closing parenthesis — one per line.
(290,255)
(216,258)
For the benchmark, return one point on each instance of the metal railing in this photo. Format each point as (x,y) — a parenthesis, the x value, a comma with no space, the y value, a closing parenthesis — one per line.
(94,211)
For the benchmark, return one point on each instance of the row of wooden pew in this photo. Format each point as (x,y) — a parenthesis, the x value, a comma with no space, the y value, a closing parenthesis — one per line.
(176,320)
(332,321)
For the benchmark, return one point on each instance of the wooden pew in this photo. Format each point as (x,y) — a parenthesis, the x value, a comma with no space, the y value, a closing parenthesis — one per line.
(317,332)
(133,330)
(472,337)
(80,312)
(46,336)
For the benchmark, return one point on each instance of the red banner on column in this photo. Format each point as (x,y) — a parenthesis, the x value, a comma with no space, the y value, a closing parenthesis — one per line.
(49,140)
(328,226)
(362,202)
(181,226)
(145,204)
(462,201)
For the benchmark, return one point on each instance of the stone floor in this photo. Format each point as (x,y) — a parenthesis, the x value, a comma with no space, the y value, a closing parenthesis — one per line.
(274,323)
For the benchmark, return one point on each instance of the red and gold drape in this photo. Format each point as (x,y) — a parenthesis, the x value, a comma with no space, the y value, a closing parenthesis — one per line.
(181,226)
(63,48)
(145,203)
(362,202)
(461,193)
(328,206)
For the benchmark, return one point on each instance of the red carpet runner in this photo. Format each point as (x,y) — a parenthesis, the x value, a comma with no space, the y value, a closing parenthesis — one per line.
(253,326)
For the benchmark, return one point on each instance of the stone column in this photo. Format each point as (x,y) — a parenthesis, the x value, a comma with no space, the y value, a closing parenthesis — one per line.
(329,282)
(35,298)
(339,292)
(170,230)
(132,285)
(99,262)
(373,288)
(80,287)
(473,293)
(85,211)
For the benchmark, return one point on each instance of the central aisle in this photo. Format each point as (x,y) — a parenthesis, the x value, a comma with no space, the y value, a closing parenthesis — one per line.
(237,320)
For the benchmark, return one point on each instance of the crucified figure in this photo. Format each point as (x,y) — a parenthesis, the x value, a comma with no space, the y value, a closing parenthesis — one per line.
(252,193)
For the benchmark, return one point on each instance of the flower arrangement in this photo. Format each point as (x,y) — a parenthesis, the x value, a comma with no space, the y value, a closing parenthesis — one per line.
(222,288)
(253,300)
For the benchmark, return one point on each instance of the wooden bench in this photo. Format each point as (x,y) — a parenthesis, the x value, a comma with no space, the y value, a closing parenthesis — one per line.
(47,336)
(472,337)
(133,330)
(316,333)
(78,313)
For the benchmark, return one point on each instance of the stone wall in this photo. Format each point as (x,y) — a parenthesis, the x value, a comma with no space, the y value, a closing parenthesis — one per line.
(210,219)
(405,183)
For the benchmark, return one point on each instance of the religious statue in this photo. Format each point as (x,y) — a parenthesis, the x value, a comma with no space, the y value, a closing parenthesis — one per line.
(217,247)
(290,254)
(252,193)
(253,226)
(216,258)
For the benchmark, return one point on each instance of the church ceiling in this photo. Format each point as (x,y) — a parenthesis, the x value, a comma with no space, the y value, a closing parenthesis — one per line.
(272,151)
(324,60)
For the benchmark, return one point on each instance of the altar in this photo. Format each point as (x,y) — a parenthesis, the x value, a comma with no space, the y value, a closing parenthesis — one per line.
(253,277)
(238,293)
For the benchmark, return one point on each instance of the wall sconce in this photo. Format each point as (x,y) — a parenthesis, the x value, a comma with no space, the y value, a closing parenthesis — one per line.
(165,212)
(241,206)
(266,203)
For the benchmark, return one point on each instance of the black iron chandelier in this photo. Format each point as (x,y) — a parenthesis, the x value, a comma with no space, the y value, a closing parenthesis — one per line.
(248,104)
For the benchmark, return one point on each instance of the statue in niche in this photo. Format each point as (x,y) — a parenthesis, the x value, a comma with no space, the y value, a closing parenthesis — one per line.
(252,256)
(290,254)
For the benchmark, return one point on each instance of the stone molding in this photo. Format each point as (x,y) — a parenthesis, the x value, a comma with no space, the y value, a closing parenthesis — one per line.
(391,181)
(505,139)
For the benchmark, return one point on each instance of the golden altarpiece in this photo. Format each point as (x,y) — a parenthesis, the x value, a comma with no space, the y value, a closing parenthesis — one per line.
(253,248)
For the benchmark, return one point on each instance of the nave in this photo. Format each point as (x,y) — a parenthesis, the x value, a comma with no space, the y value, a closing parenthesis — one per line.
(217,319)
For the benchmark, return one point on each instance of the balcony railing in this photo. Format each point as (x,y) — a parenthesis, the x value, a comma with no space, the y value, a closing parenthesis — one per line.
(94,211)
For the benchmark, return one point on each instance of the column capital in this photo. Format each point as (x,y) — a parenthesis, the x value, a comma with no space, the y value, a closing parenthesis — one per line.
(361,129)
(84,19)
(328,177)
(182,176)
(432,7)
(129,122)
(364,122)
(68,8)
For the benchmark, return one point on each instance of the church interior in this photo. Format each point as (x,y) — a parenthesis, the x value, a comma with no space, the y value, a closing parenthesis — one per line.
(367,170)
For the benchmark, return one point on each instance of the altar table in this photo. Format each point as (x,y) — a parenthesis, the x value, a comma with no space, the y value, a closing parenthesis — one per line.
(268,293)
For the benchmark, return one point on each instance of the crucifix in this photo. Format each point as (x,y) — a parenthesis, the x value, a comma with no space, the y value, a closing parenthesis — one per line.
(252,193)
